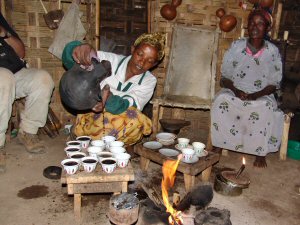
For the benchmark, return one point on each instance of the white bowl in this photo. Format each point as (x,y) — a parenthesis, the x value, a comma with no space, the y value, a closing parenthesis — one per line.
(165,136)
(117,150)
(71,149)
(103,155)
(166,142)
(116,144)
(74,143)
(98,143)
(122,159)
(70,165)
(89,163)
(108,164)
(84,140)
(94,151)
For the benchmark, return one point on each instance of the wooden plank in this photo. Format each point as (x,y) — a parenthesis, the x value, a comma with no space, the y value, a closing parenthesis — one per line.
(190,169)
(103,187)
(77,206)
(98,175)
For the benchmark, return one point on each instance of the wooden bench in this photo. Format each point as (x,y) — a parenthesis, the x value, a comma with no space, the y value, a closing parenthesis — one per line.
(96,182)
(189,171)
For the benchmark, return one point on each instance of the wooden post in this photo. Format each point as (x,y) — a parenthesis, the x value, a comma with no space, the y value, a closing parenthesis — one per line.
(277,21)
(144,163)
(206,174)
(77,206)
(189,181)
(285,135)
(155,115)
(97,24)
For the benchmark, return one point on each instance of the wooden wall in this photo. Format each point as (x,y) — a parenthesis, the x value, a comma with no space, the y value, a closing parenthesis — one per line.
(123,21)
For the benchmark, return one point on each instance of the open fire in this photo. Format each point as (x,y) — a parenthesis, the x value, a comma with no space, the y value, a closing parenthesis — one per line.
(169,169)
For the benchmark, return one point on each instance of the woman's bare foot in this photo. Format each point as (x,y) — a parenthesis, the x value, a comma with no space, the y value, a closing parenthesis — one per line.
(260,161)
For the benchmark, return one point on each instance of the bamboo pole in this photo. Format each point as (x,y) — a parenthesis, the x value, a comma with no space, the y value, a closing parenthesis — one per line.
(3,8)
(277,21)
(97,24)
(285,135)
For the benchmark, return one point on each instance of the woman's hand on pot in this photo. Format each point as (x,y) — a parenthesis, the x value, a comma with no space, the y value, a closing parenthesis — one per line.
(83,54)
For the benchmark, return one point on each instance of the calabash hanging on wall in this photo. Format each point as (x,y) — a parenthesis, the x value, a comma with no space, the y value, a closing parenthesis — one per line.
(168,11)
(266,3)
(227,22)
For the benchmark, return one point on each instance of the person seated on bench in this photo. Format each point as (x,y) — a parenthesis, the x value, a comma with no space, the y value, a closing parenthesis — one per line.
(244,116)
(131,86)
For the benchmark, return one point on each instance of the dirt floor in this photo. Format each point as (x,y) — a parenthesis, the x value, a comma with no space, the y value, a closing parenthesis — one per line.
(28,198)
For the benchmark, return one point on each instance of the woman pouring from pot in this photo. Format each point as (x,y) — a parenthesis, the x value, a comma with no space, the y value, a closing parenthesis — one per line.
(244,116)
(127,90)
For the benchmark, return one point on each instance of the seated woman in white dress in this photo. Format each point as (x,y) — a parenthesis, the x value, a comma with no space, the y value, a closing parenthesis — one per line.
(130,87)
(244,116)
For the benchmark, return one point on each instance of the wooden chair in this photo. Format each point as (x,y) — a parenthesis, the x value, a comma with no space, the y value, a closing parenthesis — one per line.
(191,73)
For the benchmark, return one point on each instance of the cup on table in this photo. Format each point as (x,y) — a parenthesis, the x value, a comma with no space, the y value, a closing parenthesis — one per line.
(187,154)
(84,141)
(108,164)
(72,149)
(98,143)
(74,143)
(89,163)
(183,142)
(70,165)
(198,147)
(122,159)
(116,144)
(108,139)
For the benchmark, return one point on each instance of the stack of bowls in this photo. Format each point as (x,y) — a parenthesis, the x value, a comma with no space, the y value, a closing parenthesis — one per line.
(166,138)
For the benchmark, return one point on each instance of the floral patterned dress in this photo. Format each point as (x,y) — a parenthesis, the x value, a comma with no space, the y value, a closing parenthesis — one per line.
(129,126)
(253,127)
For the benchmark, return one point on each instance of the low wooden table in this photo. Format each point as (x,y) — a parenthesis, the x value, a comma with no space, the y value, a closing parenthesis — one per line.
(189,171)
(96,182)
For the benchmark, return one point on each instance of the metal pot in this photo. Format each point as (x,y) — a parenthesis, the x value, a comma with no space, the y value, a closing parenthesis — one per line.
(227,187)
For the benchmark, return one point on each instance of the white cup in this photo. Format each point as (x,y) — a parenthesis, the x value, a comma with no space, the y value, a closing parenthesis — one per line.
(89,163)
(116,144)
(187,154)
(122,159)
(71,149)
(94,151)
(84,140)
(70,165)
(117,150)
(98,143)
(108,167)
(74,143)
(198,147)
(183,142)
(108,139)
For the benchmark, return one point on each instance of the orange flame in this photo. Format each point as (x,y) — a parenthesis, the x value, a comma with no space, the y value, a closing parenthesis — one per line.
(244,161)
(169,169)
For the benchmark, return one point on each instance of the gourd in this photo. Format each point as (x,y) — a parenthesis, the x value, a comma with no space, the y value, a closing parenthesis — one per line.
(168,11)
(227,22)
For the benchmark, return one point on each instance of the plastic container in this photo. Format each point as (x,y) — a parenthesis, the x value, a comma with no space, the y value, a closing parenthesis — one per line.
(293,151)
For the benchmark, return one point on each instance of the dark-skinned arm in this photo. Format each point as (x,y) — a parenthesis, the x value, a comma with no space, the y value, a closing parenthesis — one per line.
(227,83)
(15,42)
(270,89)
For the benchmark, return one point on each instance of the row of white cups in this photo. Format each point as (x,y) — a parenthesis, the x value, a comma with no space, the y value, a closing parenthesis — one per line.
(86,152)
(188,152)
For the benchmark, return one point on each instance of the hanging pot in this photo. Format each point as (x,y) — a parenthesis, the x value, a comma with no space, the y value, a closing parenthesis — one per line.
(168,12)
(220,12)
(176,3)
(266,3)
(227,23)
(53,17)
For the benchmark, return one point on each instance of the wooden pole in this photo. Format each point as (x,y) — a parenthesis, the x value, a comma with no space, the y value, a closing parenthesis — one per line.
(97,24)
(285,135)
(277,21)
